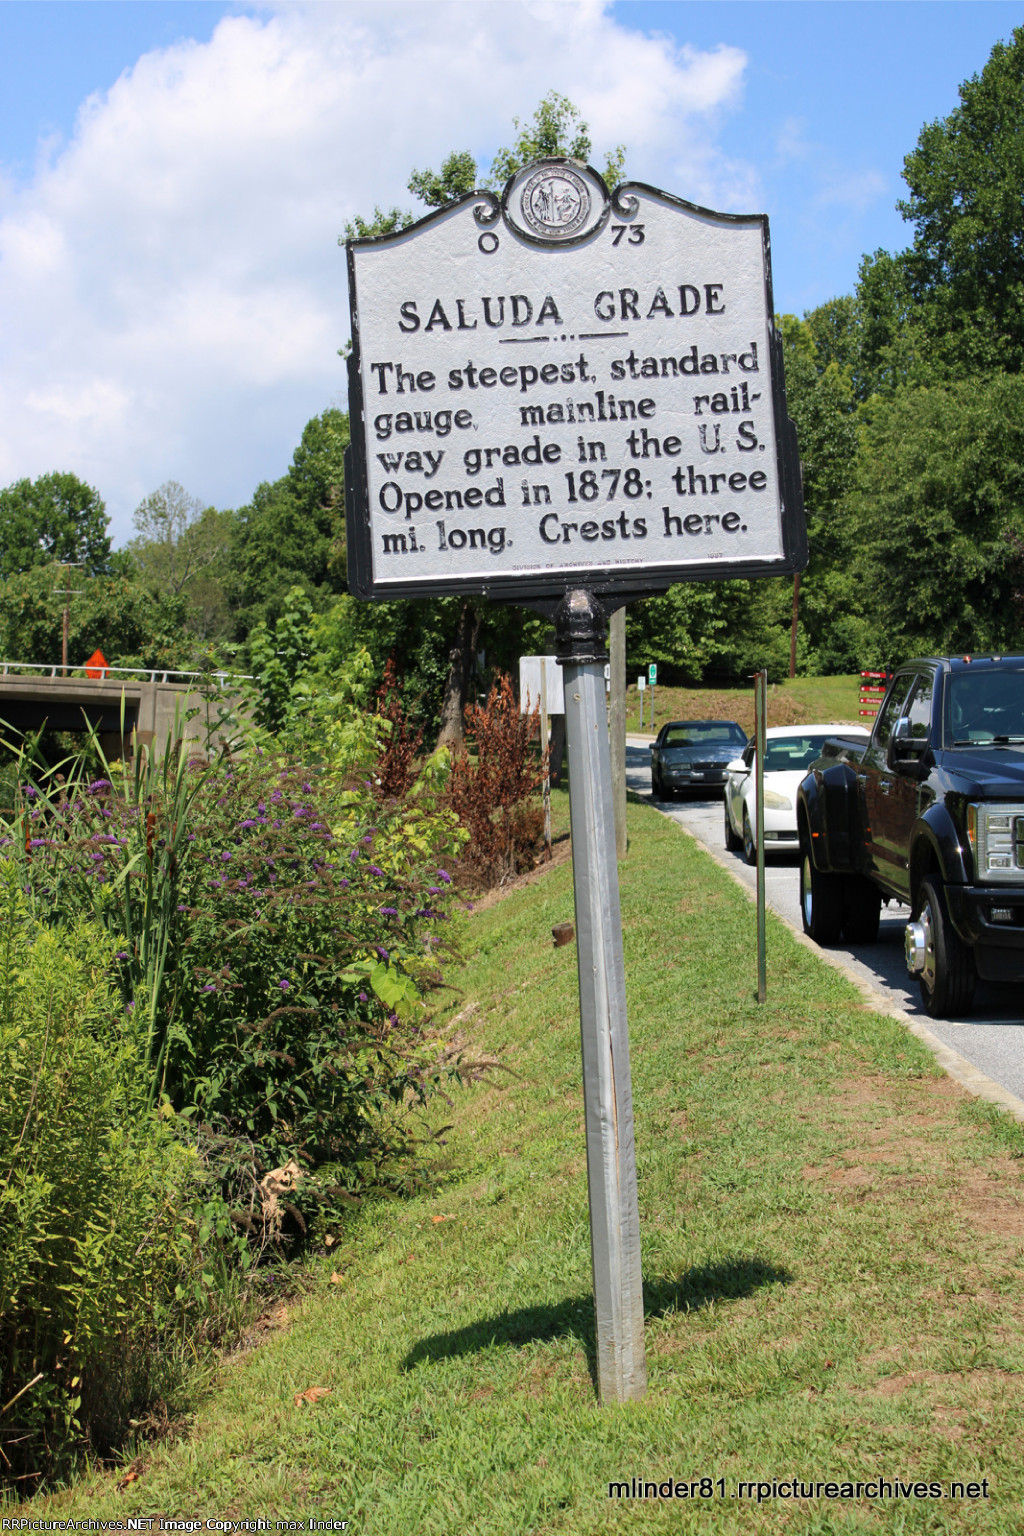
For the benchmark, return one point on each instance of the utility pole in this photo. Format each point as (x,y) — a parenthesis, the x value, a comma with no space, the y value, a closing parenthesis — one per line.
(617,724)
(67,592)
(792,632)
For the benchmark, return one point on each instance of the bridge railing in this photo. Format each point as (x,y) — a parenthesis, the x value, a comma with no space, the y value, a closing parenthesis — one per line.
(129,674)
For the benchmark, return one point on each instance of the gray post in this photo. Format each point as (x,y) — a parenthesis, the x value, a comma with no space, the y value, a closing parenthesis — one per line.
(546,754)
(760,725)
(580,627)
(617,724)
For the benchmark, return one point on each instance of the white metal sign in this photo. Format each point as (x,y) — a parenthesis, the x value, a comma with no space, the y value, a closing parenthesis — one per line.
(540,684)
(567,387)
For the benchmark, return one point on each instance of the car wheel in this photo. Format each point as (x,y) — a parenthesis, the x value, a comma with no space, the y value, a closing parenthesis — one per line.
(862,909)
(656,787)
(821,902)
(949,972)
(733,841)
(749,845)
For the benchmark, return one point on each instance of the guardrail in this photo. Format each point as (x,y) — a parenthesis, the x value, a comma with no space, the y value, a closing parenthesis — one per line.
(134,674)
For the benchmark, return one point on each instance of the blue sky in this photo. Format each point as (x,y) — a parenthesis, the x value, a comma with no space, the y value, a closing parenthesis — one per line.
(173,178)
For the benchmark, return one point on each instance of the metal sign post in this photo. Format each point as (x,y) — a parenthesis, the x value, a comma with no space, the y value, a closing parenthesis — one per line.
(760,727)
(607,1094)
(545,755)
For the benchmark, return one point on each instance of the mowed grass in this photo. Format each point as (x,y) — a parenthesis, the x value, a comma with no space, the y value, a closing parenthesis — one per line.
(832,1238)
(799,701)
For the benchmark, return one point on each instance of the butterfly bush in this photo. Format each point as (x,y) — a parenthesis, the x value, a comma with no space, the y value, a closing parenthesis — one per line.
(278,930)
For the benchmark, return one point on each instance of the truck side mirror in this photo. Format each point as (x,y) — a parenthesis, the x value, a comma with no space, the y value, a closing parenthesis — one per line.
(905,747)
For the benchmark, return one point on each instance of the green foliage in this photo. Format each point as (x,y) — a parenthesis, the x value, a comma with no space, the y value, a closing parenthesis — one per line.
(57,517)
(940,490)
(279,928)
(180,550)
(291,534)
(556,128)
(384,222)
(101,1262)
(965,178)
(130,624)
(458,175)
(277,657)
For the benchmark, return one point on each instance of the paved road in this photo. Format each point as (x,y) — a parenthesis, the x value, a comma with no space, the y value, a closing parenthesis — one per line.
(992,1039)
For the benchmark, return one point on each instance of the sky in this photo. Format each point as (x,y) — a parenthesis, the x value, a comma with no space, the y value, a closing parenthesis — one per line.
(174,178)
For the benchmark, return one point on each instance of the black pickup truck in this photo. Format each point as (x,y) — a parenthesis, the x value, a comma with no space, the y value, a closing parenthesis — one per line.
(929,812)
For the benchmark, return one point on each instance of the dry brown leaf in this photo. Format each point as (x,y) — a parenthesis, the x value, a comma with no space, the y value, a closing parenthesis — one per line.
(329,1242)
(337,1279)
(131,1476)
(312,1395)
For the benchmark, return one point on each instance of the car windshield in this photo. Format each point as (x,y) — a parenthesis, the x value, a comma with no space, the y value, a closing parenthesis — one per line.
(787,753)
(704,733)
(987,707)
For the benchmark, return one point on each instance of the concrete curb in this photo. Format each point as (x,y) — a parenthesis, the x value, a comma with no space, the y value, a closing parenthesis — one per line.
(952,1063)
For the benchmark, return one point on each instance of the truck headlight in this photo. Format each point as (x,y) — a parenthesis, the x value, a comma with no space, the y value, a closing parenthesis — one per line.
(996,836)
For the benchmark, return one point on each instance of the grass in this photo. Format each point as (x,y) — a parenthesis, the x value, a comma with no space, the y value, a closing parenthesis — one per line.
(831,1236)
(799,701)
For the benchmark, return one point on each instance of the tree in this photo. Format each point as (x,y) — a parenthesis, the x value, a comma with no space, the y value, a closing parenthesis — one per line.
(115,613)
(181,550)
(292,532)
(938,505)
(953,303)
(57,517)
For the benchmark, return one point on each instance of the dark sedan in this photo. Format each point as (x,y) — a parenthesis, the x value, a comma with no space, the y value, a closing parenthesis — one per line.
(693,755)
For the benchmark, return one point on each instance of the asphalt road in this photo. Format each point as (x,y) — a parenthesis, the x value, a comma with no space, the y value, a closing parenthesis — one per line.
(992,1039)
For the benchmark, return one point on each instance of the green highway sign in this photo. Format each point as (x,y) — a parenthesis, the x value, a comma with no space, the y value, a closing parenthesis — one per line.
(652,673)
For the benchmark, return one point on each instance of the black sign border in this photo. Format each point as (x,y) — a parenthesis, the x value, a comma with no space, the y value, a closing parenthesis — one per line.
(614,585)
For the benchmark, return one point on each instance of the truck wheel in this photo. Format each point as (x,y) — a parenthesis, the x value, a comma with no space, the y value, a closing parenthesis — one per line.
(949,973)
(749,845)
(862,909)
(821,901)
(733,841)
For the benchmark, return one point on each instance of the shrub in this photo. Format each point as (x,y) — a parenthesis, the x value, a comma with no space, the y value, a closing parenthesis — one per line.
(280,930)
(490,794)
(101,1250)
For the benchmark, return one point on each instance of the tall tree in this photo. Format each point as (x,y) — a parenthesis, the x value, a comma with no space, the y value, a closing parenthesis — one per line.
(292,532)
(57,517)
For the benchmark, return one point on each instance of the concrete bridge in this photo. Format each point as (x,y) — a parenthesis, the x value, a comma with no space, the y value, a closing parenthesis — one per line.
(154,703)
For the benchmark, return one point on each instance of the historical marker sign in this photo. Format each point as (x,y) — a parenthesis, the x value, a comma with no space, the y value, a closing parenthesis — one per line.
(568,388)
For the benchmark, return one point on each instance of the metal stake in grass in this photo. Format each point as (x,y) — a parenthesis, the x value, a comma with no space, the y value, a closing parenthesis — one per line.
(581,628)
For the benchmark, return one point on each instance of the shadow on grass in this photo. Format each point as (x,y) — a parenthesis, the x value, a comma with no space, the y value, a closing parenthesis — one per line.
(728,1280)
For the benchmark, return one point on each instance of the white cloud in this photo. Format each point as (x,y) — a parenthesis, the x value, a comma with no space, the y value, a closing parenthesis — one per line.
(171,291)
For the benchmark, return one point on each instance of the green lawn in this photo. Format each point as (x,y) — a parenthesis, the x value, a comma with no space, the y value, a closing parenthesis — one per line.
(832,1240)
(799,701)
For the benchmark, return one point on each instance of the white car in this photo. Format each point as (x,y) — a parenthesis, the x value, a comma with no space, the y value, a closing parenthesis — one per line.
(789,752)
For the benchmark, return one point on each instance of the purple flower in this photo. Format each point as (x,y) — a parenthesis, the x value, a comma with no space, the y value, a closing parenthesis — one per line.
(353,857)
(122,954)
(433,890)
(374,870)
(389,911)
(97,785)
(367,839)
(444,877)
(383,953)
(249,823)
(362,997)
(209,987)
(128,1007)
(182,907)
(344,883)
(225,857)
(28,792)
(284,985)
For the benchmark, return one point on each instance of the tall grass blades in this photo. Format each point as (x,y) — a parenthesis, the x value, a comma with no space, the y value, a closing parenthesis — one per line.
(96,1197)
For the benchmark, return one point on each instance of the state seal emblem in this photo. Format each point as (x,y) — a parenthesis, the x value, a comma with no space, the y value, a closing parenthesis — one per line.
(555,203)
